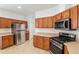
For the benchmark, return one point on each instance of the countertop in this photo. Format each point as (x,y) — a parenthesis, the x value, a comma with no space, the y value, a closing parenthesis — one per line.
(5,34)
(47,34)
(73,47)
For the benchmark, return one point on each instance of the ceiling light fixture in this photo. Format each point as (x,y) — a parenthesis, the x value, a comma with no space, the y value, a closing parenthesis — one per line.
(19,7)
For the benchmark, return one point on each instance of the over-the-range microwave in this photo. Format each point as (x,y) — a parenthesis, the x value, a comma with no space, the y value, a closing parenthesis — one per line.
(63,24)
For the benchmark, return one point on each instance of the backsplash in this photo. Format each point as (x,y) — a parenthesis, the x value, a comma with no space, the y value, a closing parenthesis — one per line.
(50,30)
(8,30)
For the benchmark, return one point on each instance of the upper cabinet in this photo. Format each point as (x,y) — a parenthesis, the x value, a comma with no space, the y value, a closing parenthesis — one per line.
(36,22)
(50,22)
(66,14)
(58,17)
(74,17)
(45,21)
(6,22)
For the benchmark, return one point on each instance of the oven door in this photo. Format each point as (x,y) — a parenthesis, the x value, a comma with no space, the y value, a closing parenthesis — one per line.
(55,48)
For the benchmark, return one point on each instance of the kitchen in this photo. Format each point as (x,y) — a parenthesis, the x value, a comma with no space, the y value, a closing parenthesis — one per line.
(42,28)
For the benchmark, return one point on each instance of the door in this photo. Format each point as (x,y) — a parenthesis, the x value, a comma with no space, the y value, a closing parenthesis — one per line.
(35,43)
(4,41)
(74,14)
(45,22)
(58,17)
(49,22)
(46,43)
(40,24)
(10,40)
(36,23)
(40,41)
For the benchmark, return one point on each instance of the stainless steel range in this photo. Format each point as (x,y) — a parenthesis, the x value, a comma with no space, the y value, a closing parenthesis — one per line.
(57,43)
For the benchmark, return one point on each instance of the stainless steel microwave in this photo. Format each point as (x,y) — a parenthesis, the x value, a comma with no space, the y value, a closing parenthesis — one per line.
(63,24)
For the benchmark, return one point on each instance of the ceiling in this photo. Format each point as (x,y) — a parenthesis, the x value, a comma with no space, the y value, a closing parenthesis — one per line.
(26,9)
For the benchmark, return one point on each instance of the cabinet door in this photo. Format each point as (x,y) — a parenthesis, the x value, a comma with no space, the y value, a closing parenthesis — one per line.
(35,42)
(53,21)
(46,43)
(4,41)
(40,41)
(66,14)
(66,50)
(58,17)
(50,23)
(5,23)
(10,40)
(45,22)
(27,35)
(40,23)
(36,23)
(74,14)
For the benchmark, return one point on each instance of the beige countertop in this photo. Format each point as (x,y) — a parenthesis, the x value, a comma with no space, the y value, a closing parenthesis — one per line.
(73,47)
(5,34)
(46,34)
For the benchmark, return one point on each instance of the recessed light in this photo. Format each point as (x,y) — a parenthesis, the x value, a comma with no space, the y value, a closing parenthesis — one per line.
(19,7)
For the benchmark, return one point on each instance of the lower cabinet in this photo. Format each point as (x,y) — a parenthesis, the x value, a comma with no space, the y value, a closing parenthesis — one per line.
(41,42)
(46,43)
(7,41)
(66,50)
(27,35)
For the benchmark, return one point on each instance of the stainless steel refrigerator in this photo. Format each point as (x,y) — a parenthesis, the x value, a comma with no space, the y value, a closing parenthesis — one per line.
(18,31)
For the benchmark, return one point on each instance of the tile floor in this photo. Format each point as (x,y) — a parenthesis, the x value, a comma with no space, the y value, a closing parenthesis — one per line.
(26,48)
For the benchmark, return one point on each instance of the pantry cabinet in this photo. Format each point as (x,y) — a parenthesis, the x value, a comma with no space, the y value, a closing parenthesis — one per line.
(66,14)
(41,42)
(7,41)
(74,17)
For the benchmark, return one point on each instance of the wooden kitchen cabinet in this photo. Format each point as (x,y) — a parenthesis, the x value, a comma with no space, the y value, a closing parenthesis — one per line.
(4,42)
(41,42)
(66,50)
(45,22)
(27,35)
(7,41)
(36,23)
(10,40)
(66,14)
(58,17)
(49,22)
(40,23)
(46,43)
(35,42)
(5,23)
(74,17)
